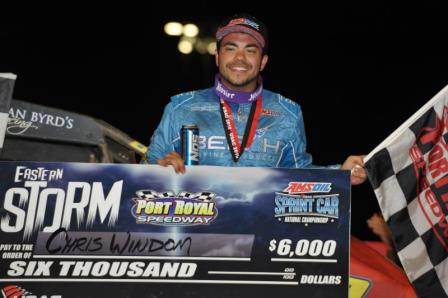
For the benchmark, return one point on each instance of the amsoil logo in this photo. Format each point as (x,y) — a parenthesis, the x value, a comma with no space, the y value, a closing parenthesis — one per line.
(307,187)
(306,203)
(14,291)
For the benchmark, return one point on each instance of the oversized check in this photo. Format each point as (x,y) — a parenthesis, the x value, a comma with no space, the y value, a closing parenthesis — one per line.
(109,230)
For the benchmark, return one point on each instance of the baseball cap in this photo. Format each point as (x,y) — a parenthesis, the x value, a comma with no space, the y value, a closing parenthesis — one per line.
(244,23)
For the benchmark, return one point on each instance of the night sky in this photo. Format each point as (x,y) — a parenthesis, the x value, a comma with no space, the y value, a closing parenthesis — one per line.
(358,71)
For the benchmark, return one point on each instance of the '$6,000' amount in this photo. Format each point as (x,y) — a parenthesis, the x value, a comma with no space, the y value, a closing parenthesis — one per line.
(303,247)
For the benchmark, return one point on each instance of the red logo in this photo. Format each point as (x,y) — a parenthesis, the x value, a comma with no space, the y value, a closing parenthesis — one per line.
(13,291)
(268,112)
(307,187)
(431,171)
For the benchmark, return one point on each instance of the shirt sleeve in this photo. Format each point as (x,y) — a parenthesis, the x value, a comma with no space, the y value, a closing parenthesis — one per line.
(164,137)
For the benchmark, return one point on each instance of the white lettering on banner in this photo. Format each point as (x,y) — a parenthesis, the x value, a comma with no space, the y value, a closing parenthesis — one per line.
(219,143)
(102,268)
(266,146)
(18,116)
(321,279)
(51,120)
(18,113)
(36,195)
(17,126)
(128,269)
(38,174)
(303,247)
(31,268)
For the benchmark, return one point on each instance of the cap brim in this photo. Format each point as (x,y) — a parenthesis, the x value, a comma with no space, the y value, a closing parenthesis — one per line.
(222,32)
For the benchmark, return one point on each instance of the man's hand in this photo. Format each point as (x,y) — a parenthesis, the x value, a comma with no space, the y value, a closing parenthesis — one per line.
(355,163)
(173,159)
(380,228)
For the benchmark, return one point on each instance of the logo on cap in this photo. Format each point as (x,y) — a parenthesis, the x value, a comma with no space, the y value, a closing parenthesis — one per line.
(243,21)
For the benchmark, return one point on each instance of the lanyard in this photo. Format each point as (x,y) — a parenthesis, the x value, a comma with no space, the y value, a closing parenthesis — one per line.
(237,149)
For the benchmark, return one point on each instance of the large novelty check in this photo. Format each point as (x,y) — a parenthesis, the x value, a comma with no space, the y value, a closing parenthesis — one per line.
(108,230)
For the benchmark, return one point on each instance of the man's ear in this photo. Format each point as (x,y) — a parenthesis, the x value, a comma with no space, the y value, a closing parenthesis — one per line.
(216,58)
(264,61)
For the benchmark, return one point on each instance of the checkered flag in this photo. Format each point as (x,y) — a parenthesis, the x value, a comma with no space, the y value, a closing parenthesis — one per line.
(409,174)
(203,196)
(149,194)
(168,194)
(185,194)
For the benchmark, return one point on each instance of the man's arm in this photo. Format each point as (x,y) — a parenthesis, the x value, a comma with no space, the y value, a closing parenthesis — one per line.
(163,138)
(162,149)
(173,159)
(355,163)
(294,153)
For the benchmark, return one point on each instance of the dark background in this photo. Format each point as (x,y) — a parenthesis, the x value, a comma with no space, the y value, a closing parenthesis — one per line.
(358,71)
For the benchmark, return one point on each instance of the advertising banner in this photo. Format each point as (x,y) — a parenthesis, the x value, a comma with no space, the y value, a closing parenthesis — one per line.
(109,230)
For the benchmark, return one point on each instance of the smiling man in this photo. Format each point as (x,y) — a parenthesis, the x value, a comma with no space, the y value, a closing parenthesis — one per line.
(240,123)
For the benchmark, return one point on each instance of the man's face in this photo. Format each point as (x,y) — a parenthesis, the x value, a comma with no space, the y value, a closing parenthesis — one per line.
(240,59)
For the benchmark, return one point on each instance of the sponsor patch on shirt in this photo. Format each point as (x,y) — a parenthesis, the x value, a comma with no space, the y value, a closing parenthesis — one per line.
(204,108)
(268,112)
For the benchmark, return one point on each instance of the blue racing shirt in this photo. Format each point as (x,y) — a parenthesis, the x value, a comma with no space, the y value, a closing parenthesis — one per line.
(279,140)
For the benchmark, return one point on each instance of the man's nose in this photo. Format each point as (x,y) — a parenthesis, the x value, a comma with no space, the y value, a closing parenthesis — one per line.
(240,55)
